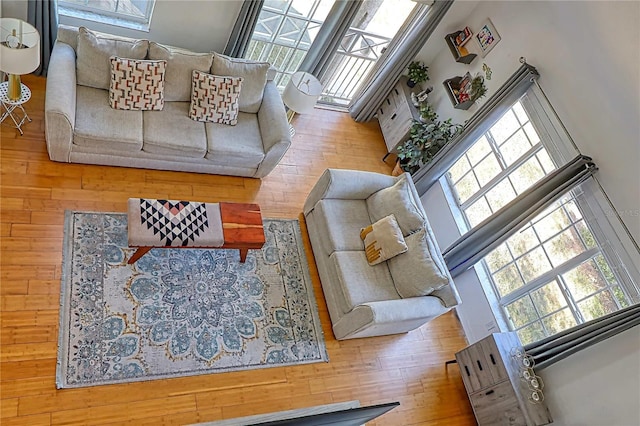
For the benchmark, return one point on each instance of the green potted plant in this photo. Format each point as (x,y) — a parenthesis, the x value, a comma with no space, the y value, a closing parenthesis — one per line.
(418,73)
(478,88)
(424,142)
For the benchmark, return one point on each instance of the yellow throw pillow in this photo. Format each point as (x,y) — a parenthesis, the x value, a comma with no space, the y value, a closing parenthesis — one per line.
(383,240)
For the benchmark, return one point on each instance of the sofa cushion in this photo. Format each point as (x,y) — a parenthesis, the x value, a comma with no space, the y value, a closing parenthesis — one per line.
(415,273)
(235,146)
(397,199)
(172,132)
(180,66)
(215,98)
(137,84)
(100,126)
(382,240)
(339,224)
(359,282)
(253,73)
(93,68)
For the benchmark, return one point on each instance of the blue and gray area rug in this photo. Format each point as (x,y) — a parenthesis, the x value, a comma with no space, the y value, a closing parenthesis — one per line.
(181,312)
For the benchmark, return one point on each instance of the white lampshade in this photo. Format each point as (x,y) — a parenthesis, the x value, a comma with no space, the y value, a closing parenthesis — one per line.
(302,92)
(20,54)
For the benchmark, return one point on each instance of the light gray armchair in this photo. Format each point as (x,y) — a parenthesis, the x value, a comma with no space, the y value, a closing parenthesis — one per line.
(364,300)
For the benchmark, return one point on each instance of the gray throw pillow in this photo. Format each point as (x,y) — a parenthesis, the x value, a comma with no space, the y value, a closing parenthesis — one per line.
(398,200)
(415,273)
(93,67)
(180,66)
(254,78)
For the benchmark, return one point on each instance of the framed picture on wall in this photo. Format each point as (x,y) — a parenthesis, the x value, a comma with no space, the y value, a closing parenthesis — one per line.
(487,37)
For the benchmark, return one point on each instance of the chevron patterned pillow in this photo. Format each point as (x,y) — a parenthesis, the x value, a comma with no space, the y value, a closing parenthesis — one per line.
(214,98)
(137,84)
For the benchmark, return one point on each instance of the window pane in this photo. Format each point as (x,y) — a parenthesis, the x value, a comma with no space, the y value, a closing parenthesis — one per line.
(584,280)
(548,298)
(504,127)
(572,210)
(459,169)
(531,132)
(487,169)
(267,25)
(533,264)
(478,211)
(280,5)
(508,280)
(564,247)
(559,321)
(545,160)
(515,147)
(466,187)
(301,8)
(500,195)
(531,333)
(523,241)
(499,257)
(520,113)
(605,269)
(551,224)
(522,312)
(620,297)
(526,175)
(596,306)
(478,150)
(587,236)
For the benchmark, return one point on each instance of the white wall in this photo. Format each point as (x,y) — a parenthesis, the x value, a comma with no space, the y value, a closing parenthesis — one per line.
(587,55)
(199,25)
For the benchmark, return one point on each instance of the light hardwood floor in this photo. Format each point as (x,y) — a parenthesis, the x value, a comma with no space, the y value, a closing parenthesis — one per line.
(34,195)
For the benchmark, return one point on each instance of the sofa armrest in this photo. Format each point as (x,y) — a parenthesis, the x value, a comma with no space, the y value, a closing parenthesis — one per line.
(346,185)
(274,128)
(60,102)
(413,310)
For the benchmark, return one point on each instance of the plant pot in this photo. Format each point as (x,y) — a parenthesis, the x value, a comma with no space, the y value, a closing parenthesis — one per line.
(411,83)
(397,170)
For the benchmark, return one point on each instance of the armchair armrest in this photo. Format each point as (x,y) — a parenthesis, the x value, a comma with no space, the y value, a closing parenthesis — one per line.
(60,102)
(346,185)
(394,316)
(274,129)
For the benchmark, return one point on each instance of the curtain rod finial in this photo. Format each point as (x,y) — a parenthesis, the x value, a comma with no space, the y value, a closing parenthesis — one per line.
(523,60)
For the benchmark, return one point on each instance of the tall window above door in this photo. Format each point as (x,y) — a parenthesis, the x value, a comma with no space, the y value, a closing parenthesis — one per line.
(286,29)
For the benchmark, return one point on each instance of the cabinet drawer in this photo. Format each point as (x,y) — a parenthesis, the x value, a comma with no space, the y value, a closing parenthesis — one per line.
(394,131)
(497,405)
(493,359)
(387,109)
(474,369)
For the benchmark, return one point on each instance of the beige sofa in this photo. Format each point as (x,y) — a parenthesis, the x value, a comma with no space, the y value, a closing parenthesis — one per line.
(81,127)
(366,300)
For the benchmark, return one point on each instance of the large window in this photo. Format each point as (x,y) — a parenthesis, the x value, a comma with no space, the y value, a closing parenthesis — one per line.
(553,273)
(131,13)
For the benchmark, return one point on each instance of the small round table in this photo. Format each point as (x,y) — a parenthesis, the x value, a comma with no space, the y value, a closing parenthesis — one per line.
(9,106)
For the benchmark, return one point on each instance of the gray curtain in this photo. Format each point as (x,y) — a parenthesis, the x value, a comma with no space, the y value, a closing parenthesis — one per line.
(490,112)
(243,28)
(493,231)
(326,43)
(413,34)
(43,15)
(561,345)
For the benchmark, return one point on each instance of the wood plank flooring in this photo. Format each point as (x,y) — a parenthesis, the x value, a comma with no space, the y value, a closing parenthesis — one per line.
(34,195)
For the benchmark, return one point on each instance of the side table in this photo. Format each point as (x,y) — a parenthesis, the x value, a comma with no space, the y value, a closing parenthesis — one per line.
(10,106)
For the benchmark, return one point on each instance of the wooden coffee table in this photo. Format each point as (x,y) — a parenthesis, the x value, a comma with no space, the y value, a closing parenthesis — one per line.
(241,228)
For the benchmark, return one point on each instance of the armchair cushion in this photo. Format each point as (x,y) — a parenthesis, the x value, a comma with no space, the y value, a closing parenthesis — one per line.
(360,283)
(383,240)
(93,53)
(253,73)
(396,199)
(415,273)
(342,234)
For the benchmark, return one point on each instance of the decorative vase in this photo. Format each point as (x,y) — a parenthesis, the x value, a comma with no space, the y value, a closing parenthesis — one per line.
(411,83)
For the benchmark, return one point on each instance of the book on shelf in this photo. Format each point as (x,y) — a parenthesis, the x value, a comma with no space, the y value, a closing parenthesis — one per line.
(463,37)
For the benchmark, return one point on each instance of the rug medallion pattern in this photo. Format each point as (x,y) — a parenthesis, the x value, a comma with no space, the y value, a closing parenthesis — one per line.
(180,312)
